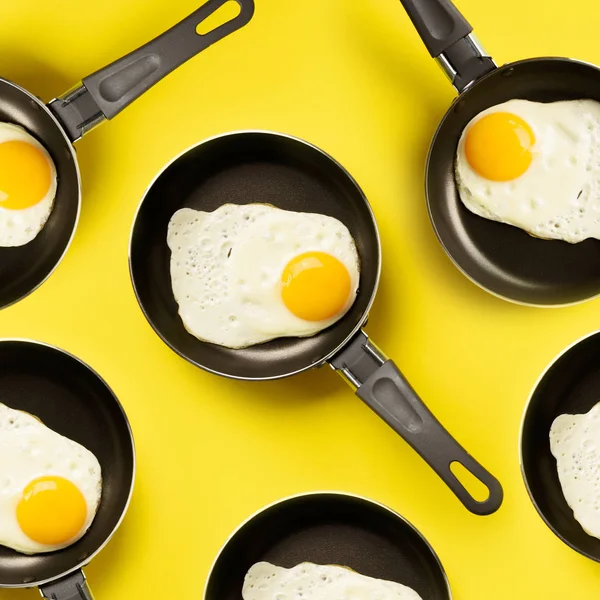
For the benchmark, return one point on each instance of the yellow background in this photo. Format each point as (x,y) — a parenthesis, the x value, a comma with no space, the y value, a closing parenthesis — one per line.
(352,77)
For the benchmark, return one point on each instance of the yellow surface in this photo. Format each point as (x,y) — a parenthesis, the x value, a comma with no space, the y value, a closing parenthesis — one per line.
(353,78)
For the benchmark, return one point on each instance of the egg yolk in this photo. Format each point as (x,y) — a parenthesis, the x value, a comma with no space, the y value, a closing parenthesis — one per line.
(51,511)
(25,175)
(315,286)
(498,146)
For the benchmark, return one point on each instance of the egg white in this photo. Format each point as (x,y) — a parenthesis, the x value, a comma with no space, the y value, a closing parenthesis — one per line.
(575,443)
(309,581)
(19,227)
(226,268)
(28,450)
(558,197)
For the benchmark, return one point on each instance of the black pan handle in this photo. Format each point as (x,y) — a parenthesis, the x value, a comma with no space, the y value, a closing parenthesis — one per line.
(108,91)
(438,22)
(381,385)
(448,37)
(71,587)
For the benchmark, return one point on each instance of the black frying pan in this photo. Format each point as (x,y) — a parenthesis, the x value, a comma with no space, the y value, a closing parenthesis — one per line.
(502,259)
(291,174)
(330,529)
(73,400)
(570,385)
(63,121)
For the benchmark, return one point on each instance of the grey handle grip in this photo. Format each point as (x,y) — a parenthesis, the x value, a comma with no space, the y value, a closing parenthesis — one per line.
(391,396)
(438,22)
(71,587)
(105,93)
(116,86)
(381,385)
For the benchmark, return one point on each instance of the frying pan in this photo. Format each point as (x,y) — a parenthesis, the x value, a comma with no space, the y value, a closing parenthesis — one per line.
(570,385)
(329,528)
(501,259)
(73,400)
(64,120)
(291,174)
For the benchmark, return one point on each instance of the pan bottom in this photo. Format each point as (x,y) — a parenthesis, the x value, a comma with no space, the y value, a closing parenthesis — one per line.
(571,385)
(24,268)
(502,259)
(330,528)
(242,168)
(72,400)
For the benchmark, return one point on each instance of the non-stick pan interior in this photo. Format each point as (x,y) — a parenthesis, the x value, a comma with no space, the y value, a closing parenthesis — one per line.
(74,401)
(23,268)
(330,529)
(242,168)
(570,386)
(501,258)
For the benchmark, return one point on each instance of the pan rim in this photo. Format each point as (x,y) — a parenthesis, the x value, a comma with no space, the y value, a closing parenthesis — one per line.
(457,99)
(89,558)
(78,174)
(315,494)
(361,320)
(549,366)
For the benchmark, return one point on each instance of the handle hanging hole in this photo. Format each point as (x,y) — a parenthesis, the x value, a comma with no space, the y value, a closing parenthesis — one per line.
(225,13)
(476,488)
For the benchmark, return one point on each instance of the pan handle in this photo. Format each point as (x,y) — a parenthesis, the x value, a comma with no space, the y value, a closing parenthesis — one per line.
(108,91)
(381,385)
(448,37)
(71,587)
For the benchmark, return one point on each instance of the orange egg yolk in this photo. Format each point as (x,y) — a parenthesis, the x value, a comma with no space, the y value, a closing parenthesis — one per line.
(498,146)
(315,286)
(51,511)
(25,175)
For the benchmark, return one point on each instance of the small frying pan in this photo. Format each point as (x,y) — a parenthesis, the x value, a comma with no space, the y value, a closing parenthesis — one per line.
(329,528)
(63,121)
(501,259)
(289,173)
(570,385)
(73,400)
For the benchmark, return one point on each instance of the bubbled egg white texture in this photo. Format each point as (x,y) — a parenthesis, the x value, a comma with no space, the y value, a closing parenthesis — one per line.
(558,196)
(575,443)
(308,581)
(28,186)
(226,269)
(30,450)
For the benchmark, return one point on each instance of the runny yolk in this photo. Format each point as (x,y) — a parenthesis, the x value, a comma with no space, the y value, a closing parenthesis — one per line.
(315,286)
(25,175)
(498,146)
(51,511)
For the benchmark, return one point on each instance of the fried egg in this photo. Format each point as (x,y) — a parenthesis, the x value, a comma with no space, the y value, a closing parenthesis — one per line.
(535,166)
(27,186)
(308,581)
(50,486)
(243,275)
(575,443)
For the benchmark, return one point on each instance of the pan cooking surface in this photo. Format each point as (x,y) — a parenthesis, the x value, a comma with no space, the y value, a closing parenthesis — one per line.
(23,268)
(72,400)
(504,259)
(571,386)
(244,168)
(330,529)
